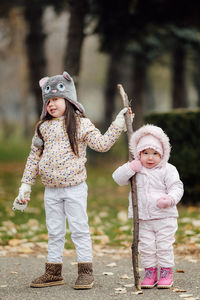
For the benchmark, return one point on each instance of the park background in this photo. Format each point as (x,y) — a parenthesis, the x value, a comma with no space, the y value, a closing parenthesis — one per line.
(152,49)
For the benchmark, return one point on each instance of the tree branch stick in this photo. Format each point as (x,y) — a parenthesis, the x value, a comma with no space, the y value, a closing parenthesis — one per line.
(134,247)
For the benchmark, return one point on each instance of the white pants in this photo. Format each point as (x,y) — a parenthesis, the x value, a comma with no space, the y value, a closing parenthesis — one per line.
(67,203)
(156,238)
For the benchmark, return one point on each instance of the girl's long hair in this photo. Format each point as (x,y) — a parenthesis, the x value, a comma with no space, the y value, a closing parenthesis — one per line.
(71,125)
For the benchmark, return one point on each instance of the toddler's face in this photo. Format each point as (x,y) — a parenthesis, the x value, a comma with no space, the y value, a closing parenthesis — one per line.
(150,158)
(56,107)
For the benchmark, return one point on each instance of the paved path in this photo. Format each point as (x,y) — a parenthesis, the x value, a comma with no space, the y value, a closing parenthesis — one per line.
(17,272)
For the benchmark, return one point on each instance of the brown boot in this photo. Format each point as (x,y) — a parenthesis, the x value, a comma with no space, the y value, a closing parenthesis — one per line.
(85,278)
(52,276)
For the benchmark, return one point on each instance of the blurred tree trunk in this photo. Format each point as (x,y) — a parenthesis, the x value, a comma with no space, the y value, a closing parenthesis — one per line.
(196,72)
(139,79)
(179,88)
(35,50)
(112,79)
(75,36)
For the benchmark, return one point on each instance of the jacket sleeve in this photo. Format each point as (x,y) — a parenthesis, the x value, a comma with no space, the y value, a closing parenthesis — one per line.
(97,141)
(122,174)
(32,164)
(173,184)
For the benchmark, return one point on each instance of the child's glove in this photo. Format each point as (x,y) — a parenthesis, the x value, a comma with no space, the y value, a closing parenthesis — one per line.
(120,120)
(164,202)
(19,206)
(135,165)
(20,203)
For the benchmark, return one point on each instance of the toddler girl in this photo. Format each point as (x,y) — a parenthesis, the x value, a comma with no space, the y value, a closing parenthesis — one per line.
(58,155)
(159,189)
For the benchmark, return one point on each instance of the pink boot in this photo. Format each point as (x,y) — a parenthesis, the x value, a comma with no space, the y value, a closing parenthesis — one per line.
(166,278)
(150,278)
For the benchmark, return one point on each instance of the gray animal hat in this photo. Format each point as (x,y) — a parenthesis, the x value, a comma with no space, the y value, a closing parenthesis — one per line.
(61,86)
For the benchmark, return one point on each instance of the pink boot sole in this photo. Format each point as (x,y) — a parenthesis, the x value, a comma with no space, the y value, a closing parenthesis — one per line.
(164,286)
(147,286)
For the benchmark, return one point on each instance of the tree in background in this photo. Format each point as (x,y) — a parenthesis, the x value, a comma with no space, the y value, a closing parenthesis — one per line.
(134,34)
(196,71)
(75,36)
(35,48)
(142,27)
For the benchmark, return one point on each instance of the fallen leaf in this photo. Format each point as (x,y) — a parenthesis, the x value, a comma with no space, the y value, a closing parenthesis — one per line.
(103,214)
(25,250)
(122,216)
(196,223)
(191,298)
(111,265)
(179,290)
(185,295)
(33,223)
(41,256)
(43,236)
(104,239)
(125,276)
(96,220)
(189,232)
(14,242)
(180,271)
(42,245)
(8,224)
(124,228)
(137,293)
(99,231)
(109,251)
(129,285)
(108,273)
(120,290)
(192,260)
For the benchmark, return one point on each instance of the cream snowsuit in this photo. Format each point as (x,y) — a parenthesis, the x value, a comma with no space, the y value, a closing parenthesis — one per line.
(156,226)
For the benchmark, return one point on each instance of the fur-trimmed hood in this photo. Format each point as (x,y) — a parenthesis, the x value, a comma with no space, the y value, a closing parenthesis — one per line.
(156,132)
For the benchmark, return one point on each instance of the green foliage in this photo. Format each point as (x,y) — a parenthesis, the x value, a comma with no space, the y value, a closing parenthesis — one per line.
(183,129)
(14,149)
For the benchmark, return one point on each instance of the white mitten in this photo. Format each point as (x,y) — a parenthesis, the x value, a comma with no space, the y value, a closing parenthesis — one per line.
(19,206)
(120,120)
(24,194)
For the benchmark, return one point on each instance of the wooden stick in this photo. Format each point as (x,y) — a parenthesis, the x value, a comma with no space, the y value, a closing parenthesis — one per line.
(134,246)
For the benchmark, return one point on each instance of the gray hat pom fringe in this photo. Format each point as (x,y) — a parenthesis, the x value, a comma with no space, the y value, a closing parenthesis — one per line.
(37,142)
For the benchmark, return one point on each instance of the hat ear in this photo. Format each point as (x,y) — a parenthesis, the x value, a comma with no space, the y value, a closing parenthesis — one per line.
(43,80)
(67,76)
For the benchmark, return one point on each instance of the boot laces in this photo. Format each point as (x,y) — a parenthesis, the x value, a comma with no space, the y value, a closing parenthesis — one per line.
(148,274)
(164,273)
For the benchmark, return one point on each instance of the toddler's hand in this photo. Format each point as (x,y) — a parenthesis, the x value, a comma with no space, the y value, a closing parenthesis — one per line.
(135,165)
(164,202)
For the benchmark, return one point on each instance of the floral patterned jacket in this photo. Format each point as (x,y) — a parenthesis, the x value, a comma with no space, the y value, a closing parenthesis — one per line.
(57,165)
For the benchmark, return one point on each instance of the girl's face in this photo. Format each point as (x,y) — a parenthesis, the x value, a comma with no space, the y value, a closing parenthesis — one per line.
(150,158)
(56,107)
